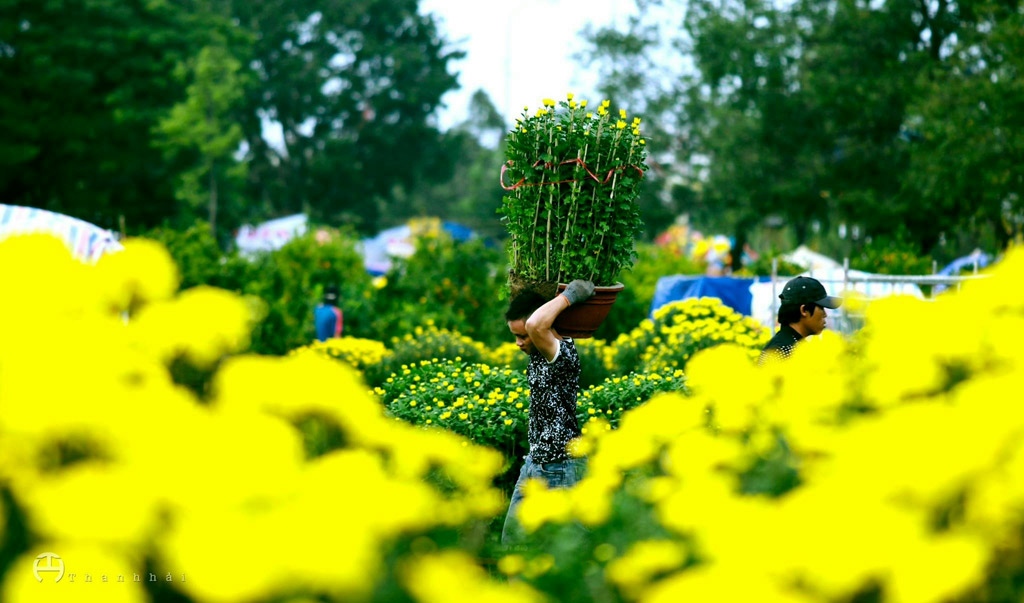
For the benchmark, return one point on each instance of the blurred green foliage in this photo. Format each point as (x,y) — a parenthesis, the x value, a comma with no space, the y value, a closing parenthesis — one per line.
(453,285)
(634,302)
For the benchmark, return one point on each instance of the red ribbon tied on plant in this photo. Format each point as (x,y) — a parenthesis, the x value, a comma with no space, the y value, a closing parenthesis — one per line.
(592,175)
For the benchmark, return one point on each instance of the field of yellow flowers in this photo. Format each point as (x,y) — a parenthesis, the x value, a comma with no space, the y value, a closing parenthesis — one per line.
(888,468)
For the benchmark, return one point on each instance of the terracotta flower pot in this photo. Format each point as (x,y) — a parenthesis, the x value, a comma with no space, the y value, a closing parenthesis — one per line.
(580,320)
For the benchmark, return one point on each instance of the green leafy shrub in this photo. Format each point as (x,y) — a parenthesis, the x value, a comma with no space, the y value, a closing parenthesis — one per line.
(426,343)
(455,285)
(291,281)
(575,175)
(616,395)
(490,405)
(360,354)
(594,355)
(681,329)
(486,404)
(895,255)
(200,260)
(633,304)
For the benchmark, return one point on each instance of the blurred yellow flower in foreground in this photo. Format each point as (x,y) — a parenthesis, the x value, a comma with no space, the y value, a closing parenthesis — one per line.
(454,577)
(906,446)
(118,468)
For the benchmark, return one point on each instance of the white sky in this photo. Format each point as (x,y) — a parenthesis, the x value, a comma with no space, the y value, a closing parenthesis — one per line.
(519,51)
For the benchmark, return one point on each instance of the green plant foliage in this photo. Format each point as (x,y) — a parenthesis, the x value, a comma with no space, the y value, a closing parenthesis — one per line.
(594,355)
(681,329)
(633,303)
(206,126)
(486,404)
(451,285)
(291,281)
(490,405)
(892,255)
(200,260)
(615,395)
(762,266)
(426,343)
(372,109)
(566,222)
(85,84)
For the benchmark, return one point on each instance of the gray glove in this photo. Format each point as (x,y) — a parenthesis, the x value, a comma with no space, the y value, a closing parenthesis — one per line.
(578,290)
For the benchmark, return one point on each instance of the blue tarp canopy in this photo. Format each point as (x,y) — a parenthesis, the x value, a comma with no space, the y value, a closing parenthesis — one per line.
(983,259)
(953,268)
(458,231)
(734,292)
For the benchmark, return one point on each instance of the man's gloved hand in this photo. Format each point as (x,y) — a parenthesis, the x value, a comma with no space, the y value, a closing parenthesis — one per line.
(578,290)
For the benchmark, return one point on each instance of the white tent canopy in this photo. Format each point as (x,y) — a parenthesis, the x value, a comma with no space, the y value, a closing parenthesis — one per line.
(811,260)
(87,242)
(270,236)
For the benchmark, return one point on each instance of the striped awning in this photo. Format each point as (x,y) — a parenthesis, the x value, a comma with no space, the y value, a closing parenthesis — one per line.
(86,241)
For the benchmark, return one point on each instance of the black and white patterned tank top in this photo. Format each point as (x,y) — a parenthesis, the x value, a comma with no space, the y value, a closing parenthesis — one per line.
(553,390)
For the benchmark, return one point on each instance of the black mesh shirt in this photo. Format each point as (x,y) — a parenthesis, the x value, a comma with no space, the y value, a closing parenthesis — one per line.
(780,346)
(553,389)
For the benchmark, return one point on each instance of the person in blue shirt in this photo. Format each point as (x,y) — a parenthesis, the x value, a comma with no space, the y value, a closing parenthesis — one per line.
(327,316)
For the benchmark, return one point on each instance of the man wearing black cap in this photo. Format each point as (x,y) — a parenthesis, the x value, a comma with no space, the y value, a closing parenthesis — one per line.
(802,313)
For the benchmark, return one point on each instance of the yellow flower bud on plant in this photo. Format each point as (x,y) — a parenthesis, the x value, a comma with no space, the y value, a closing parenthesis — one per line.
(511,565)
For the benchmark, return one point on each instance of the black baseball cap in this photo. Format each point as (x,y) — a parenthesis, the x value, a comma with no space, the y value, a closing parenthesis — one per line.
(331,293)
(807,290)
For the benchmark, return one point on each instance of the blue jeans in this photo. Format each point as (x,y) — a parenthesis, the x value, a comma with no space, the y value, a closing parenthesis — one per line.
(561,474)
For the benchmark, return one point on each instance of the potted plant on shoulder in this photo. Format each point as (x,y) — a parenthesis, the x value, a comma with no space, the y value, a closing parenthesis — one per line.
(573,177)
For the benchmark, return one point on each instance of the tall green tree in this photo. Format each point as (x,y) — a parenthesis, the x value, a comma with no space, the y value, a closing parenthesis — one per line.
(352,85)
(468,160)
(821,112)
(967,162)
(84,82)
(204,127)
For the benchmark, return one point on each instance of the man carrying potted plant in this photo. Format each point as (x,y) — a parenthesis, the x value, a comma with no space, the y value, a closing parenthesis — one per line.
(553,374)
(573,177)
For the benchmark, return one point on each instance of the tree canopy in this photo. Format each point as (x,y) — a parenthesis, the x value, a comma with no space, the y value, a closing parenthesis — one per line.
(157,111)
(894,119)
